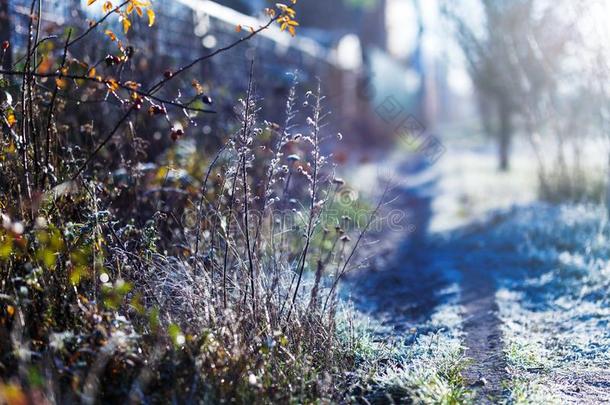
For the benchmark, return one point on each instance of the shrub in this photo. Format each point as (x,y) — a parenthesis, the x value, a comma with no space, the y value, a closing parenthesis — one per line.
(195,278)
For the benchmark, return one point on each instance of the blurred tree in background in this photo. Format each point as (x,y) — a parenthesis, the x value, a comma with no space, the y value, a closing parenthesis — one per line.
(514,58)
(540,67)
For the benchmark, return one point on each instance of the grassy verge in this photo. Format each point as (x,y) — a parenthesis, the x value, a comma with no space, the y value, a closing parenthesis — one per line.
(176,280)
(424,367)
(555,315)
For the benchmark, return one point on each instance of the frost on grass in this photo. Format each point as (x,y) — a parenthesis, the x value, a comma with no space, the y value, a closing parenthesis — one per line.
(554,305)
(427,368)
(365,336)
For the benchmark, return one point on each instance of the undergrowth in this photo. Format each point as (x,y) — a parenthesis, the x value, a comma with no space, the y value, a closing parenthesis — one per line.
(425,368)
(167,274)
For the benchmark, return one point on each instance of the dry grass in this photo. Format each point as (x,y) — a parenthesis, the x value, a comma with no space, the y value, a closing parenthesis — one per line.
(186,276)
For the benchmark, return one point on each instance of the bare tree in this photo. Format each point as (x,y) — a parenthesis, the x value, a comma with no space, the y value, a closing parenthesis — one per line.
(489,65)
(513,61)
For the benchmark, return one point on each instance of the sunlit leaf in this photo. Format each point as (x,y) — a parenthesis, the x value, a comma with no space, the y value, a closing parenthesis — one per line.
(111,35)
(132,85)
(197,86)
(48,257)
(61,83)
(6,247)
(126,25)
(77,274)
(112,84)
(175,334)
(45,65)
(107,7)
(151,17)
(11,119)
(12,393)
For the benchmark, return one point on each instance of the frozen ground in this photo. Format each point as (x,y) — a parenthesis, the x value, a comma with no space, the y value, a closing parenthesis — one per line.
(527,283)
(555,306)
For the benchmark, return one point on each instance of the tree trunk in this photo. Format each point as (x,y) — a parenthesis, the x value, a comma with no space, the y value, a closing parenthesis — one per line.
(504,136)
(373,31)
(5,34)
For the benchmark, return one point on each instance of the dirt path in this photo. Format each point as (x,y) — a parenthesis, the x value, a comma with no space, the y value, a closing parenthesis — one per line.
(405,292)
(486,371)
(483,337)
(532,277)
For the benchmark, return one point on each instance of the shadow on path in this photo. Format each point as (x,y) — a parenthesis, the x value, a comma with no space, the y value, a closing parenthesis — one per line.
(407,290)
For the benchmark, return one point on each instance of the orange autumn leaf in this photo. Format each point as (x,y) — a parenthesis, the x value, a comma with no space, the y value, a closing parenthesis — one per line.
(107,7)
(111,35)
(61,83)
(126,25)
(11,119)
(112,84)
(12,394)
(197,86)
(45,65)
(132,85)
(286,18)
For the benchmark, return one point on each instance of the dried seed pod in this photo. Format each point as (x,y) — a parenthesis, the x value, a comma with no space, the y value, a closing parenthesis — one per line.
(156,110)
(112,60)
(177,134)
